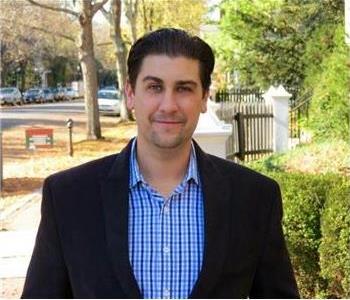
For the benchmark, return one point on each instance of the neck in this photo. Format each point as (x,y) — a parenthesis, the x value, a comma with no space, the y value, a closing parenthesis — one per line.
(163,168)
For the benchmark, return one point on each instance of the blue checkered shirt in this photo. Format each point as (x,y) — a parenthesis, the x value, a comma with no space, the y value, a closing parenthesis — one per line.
(166,236)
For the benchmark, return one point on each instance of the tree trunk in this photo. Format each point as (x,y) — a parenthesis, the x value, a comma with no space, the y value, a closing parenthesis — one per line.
(88,67)
(121,54)
(2,68)
(23,66)
(131,14)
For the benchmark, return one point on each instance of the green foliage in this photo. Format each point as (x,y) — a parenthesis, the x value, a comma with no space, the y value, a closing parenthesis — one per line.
(332,156)
(335,245)
(293,42)
(272,38)
(185,14)
(330,107)
(316,225)
(303,200)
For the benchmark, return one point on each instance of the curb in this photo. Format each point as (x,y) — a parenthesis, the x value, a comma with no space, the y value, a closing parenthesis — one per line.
(21,204)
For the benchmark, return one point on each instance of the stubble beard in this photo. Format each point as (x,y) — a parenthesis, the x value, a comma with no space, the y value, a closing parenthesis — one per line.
(168,139)
(168,142)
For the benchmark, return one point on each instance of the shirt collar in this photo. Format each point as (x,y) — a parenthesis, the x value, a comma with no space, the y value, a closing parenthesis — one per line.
(136,176)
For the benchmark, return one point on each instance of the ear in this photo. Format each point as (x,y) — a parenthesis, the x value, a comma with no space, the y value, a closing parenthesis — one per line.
(204,102)
(130,96)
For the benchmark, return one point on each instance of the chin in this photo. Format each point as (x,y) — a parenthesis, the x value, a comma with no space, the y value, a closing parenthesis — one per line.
(169,142)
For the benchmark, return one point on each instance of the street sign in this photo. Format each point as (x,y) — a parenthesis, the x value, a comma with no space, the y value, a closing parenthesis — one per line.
(39,138)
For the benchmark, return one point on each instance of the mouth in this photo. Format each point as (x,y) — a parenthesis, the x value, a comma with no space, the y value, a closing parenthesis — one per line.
(168,125)
(170,122)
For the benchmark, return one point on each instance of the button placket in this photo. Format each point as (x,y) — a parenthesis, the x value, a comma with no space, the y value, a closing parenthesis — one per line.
(166,293)
(166,248)
(159,266)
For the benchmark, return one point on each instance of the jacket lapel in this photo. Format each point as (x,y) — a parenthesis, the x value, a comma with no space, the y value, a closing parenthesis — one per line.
(216,192)
(116,205)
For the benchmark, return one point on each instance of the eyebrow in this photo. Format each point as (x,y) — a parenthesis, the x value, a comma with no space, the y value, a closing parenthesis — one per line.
(180,82)
(152,78)
(185,82)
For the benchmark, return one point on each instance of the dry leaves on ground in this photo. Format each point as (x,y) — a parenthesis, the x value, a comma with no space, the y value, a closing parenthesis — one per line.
(24,170)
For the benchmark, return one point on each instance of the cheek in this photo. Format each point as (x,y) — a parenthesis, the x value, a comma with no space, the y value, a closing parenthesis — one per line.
(143,109)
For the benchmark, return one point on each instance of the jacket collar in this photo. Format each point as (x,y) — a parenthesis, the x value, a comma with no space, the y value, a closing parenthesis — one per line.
(114,189)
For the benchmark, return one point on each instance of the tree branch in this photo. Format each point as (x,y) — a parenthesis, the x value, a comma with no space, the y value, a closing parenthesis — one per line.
(60,9)
(67,37)
(107,15)
(104,44)
(97,6)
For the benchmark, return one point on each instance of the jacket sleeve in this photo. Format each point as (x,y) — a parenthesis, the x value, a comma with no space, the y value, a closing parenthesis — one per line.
(274,277)
(47,275)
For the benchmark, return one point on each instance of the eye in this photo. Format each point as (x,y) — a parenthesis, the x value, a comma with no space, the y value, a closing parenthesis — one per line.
(156,88)
(182,89)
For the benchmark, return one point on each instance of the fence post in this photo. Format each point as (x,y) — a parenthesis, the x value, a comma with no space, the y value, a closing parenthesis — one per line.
(279,98)
(239,117)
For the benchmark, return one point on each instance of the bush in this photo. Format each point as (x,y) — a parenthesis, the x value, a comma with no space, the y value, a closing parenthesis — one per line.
(304,197)
(335,244)
(319,253)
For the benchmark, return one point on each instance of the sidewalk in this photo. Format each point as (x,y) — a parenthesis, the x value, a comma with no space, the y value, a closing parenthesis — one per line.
(19,227)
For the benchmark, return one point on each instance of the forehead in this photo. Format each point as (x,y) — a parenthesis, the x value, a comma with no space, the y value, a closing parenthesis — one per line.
(169,68)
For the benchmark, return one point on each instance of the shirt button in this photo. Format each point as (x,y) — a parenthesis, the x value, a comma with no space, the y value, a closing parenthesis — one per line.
(166,209)
(166,294)
(166,249)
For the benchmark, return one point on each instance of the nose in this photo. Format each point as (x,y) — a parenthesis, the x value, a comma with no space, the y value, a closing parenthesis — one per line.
(168,103)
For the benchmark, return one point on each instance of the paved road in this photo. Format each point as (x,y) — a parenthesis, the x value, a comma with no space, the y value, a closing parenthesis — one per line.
(43,114)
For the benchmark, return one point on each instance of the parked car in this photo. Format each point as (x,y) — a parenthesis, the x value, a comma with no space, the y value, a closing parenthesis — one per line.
(69,93)
(46,95)
(110,88)
(56,94)
(31,95)
(61,93)
(109,102)
(10,95)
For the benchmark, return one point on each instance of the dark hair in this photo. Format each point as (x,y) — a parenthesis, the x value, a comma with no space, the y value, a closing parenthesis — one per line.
(172,42)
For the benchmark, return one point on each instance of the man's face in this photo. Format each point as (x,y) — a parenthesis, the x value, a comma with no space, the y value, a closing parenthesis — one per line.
(168,98)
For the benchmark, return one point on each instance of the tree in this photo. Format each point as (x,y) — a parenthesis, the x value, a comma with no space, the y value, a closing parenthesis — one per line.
(270,37)
(113,16)
(154,14)
(87,10)
(24,47)
(131,12)
(293,42)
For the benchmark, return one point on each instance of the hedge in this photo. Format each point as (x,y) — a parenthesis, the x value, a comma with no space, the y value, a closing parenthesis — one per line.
(316,224)
(335,244)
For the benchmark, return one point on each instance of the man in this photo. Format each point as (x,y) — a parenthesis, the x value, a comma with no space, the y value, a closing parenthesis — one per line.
(162,219)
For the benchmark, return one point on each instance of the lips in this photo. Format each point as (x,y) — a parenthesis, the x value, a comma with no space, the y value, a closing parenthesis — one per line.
(168,120)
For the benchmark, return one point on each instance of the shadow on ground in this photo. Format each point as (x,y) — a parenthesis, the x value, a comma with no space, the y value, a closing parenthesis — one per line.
(20,186)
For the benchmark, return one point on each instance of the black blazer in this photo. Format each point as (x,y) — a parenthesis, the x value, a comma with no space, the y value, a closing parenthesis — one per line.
(81,249)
